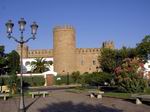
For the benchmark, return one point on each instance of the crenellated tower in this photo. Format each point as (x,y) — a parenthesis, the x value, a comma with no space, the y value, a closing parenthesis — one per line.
(108,44)
(64,47)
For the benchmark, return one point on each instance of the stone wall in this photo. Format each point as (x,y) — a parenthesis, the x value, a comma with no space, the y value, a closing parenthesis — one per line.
(68,58)
(64,49)
(87,59)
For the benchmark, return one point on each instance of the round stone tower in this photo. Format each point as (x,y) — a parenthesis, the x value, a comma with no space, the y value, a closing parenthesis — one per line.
(64,46)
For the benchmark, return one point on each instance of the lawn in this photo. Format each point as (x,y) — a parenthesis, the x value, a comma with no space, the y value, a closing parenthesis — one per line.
(106,94)
(118,95)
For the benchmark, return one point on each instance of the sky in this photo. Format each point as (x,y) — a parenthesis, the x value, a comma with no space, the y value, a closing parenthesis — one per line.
(125,22)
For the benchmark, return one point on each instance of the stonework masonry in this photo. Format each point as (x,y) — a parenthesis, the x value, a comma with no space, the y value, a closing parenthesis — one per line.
(68,58)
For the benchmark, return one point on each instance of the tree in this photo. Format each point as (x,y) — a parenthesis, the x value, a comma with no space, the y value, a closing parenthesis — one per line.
(2,51)
(110,59)
(13,60)
(14,84)
(129,78)
(40,65)
(3,62)
(96,78)
(143,48)
(124,53)
(107,60)
(75,76)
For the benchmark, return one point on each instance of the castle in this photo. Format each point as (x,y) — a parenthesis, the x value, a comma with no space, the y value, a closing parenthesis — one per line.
(67,58)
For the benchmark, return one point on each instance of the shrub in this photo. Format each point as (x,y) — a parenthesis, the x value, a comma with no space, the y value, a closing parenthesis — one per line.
(96,79)
(130,82)
(4,80)
(14,83)
(147,90)
(63,80)
(1,81)
(75,76)
(129,78)
(33,81)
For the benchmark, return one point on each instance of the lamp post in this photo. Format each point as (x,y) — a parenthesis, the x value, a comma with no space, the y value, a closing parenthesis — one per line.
(21,41)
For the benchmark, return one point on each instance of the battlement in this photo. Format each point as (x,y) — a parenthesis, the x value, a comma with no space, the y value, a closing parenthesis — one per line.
(87,50)
(108,44)
(65,27)
(40,53)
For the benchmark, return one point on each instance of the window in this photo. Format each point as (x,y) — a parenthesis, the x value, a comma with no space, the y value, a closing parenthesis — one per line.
(82,62)
(94,62)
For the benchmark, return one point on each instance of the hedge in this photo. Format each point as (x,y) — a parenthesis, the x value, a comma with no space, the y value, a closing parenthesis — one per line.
(63,80)
(27,81)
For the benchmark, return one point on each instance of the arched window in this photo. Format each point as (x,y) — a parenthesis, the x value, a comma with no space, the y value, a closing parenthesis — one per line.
(82,62)
(94,62)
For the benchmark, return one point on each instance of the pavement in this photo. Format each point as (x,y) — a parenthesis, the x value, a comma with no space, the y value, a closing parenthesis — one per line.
(65,101)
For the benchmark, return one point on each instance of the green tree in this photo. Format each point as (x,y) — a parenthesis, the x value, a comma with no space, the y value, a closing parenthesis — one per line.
(40,65)
(14,84)
(129,78)
(143,48)
(3,62)
(107,60)
(96,78)
(124,53)
(2,51)
(13,60)
(75,76)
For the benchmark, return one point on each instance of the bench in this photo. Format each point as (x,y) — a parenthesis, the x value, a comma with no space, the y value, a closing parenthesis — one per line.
(5,89)
(43,93)
(97,94)
(140,98)
(4,95)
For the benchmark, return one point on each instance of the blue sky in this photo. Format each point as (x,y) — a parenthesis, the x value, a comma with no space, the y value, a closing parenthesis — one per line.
(126,22)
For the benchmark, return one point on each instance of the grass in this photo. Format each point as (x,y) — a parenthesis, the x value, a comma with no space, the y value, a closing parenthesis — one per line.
(106,94)
(118,95)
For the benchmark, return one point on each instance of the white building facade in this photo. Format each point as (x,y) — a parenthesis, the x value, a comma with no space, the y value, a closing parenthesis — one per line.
(147,69)
(28,68)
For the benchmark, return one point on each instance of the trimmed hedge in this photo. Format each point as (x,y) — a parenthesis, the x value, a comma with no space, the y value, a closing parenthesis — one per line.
(92,79)
(34,81)
(63,80)
(4,80)
(27,81)
(96,78)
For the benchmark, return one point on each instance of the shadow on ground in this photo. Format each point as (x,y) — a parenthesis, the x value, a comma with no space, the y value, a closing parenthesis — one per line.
(134,101)
(29,105)
(81,107)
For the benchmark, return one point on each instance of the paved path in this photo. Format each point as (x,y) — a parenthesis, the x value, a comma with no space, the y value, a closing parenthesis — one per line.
(60,101)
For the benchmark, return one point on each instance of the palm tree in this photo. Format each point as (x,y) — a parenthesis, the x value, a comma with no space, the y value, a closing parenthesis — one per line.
(40,65)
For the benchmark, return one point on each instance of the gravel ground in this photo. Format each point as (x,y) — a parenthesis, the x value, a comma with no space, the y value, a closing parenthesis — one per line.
(61,101)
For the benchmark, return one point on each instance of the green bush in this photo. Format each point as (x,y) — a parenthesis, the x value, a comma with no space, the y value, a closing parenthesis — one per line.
(33,81)
(63,80)
(93,79)
(4,80)
(75,76)
(27,81)
(131,82)
(14,83)
(147,90)
(96,78)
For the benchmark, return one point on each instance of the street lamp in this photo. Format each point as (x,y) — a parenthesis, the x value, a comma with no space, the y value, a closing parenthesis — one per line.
(21,41)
